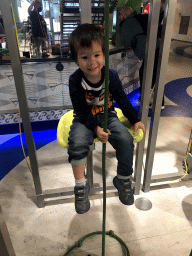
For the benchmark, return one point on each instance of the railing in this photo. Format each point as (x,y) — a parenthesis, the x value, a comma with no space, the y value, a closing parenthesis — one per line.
(47,89)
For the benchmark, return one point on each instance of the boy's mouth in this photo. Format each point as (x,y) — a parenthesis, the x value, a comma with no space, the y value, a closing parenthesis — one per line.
(92,69)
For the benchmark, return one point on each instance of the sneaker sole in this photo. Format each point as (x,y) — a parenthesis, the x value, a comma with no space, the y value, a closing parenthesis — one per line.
(82,212)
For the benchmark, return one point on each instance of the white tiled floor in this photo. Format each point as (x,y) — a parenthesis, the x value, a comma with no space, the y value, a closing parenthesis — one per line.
(166,229)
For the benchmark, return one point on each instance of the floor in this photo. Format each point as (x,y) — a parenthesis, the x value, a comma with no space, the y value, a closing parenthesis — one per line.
(165,229)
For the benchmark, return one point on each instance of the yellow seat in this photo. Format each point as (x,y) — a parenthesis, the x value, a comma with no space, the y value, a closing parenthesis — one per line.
(65,123)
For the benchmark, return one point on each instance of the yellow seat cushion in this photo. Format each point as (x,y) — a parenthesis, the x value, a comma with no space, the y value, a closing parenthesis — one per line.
(66,120)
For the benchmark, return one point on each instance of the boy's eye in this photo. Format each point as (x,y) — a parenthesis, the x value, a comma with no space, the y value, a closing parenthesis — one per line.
(97,55)
(84,57)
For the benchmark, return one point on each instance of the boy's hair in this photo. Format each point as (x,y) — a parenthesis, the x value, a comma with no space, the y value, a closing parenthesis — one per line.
(83,36)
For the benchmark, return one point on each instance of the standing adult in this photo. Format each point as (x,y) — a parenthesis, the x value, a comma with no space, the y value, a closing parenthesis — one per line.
(134,63)
(134,35)
(2,31)
(161,15)
(38,25)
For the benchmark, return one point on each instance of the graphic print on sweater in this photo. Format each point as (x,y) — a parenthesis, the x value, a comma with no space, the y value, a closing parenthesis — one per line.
(95,97)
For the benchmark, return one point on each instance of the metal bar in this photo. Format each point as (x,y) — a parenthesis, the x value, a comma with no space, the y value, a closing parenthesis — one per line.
(147,80)
(90,166)
(6,247)
(159,89)
(189,147)
(51,25)
(69,191)
(85,7)
(166,177)
(64,59)
(11,38)
(118,37)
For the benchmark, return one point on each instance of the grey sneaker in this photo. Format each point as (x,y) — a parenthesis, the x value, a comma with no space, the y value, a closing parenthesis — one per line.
(82,204)
(125,190)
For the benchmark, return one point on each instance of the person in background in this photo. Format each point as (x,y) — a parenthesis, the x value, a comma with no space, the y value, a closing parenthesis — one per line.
(1,26)
(161,15)
(134,62)
(146,10)
(38,24)
(87,93)
(134,35)
(2,31)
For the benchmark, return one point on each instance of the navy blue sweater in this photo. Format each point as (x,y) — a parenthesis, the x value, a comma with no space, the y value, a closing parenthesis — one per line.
(83,110)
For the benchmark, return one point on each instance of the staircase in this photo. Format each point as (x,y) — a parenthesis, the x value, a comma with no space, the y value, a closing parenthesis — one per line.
(70,16)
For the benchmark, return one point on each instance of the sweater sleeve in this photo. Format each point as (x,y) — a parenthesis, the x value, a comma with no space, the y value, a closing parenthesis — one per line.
(81,109)
(121,99)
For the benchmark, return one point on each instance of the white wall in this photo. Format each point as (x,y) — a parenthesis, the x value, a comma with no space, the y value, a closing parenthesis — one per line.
(184,8)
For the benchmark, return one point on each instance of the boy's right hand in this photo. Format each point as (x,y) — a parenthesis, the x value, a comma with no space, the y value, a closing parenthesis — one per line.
(101,135)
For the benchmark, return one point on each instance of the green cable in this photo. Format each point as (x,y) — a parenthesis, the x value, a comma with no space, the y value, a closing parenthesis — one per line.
(106,18)
(109,233)
(103,232)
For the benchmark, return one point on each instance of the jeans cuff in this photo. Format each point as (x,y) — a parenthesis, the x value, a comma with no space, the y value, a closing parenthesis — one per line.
(79,162)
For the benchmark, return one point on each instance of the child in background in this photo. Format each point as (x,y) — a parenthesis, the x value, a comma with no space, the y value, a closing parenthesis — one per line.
(87,90)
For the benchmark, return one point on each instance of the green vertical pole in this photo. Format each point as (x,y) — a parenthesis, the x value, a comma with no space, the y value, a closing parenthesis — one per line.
(106,17)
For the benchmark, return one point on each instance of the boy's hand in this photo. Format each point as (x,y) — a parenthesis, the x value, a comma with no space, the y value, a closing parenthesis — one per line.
(101,135)
(139,125)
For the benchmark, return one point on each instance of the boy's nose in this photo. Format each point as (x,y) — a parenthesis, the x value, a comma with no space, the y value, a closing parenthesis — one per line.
(91,60)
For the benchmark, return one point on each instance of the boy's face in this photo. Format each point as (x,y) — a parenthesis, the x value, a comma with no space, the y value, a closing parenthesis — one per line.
(91,61)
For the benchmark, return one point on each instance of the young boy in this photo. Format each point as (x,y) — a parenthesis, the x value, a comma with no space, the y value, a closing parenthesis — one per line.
(87,89)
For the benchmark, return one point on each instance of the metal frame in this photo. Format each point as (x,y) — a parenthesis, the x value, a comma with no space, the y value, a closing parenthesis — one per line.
(11,37)
(85,13)
(5,6)
(147,80)
(188,157)
(6,247)
(168,20)
(20,88)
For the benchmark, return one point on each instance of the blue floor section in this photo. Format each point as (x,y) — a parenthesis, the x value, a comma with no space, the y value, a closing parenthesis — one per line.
(176,91)
(181,51)
(11,153)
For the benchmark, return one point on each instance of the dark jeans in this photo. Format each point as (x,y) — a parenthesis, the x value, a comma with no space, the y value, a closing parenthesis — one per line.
(141,70)
(80,138)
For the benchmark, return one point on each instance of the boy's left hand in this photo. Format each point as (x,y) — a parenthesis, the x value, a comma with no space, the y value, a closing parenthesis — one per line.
(139,125)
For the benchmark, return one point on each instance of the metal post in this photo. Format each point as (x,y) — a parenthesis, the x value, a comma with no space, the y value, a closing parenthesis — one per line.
(6,247)
(51,25)
(85,11)
(90,166)
(147,80)
(118,37)
(159,89)
(11,37)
